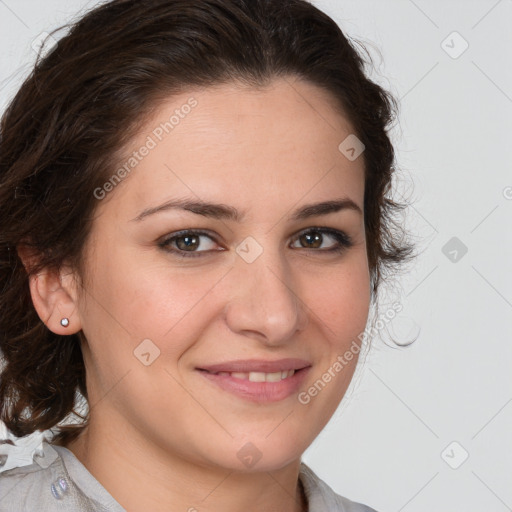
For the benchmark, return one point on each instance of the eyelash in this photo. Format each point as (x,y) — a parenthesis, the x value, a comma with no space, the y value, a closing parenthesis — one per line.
(344,241)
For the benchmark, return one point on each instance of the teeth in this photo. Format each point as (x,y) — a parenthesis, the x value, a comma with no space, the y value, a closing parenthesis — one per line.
(272,377)
(259,376)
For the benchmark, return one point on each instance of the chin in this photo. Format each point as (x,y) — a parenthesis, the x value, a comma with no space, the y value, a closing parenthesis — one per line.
(260,453)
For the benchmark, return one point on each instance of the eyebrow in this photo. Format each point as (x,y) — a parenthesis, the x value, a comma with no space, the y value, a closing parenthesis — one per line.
(224,212)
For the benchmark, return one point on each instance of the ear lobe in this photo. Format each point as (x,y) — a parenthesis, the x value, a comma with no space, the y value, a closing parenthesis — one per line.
(51,299)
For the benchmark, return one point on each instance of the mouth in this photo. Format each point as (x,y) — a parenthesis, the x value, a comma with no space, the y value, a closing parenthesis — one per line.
(257,366)
(256,376)
(258,381)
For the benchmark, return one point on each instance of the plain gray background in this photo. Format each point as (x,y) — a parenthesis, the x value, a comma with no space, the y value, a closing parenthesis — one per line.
(412,414)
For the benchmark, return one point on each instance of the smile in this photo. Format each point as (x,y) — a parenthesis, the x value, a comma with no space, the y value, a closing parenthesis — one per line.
(259,387)
(258,376)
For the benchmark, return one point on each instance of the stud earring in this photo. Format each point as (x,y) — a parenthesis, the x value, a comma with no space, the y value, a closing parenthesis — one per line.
(64,322)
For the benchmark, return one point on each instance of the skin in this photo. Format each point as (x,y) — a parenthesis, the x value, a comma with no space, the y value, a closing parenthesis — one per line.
(162,437)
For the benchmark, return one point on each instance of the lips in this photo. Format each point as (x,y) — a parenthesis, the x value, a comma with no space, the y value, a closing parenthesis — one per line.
(259,391)
(257,366)
(257,380)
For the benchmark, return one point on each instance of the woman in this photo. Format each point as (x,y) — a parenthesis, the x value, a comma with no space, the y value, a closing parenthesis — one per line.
(194,227)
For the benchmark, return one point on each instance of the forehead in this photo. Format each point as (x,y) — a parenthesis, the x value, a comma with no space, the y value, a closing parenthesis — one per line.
(241,145)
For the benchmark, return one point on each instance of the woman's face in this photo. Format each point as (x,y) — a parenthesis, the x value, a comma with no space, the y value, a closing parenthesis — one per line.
(264,284)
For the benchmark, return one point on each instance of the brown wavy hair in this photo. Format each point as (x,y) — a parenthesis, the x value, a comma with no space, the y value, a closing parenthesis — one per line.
(86,99)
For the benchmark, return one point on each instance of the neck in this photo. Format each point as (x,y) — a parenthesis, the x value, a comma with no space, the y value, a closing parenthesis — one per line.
(142,476)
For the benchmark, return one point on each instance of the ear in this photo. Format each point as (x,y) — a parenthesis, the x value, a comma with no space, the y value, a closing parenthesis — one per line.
(54,294)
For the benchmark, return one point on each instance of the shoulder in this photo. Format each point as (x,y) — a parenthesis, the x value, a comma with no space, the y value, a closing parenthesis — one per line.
(321,498)
(45,484)
(27,485)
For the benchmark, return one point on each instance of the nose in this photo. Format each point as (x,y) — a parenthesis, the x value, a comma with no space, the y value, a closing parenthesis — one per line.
(263,303)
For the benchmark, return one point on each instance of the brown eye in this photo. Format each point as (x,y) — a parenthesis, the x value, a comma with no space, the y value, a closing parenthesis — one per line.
(189,243)
(311,240)
(315,238)
(186,243)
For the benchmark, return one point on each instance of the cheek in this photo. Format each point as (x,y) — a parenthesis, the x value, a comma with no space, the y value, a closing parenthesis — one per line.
(341,311)
(125,308)
(340,301)
(130,301)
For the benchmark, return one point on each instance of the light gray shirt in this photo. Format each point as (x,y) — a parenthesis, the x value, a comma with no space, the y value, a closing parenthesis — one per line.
(57,481)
